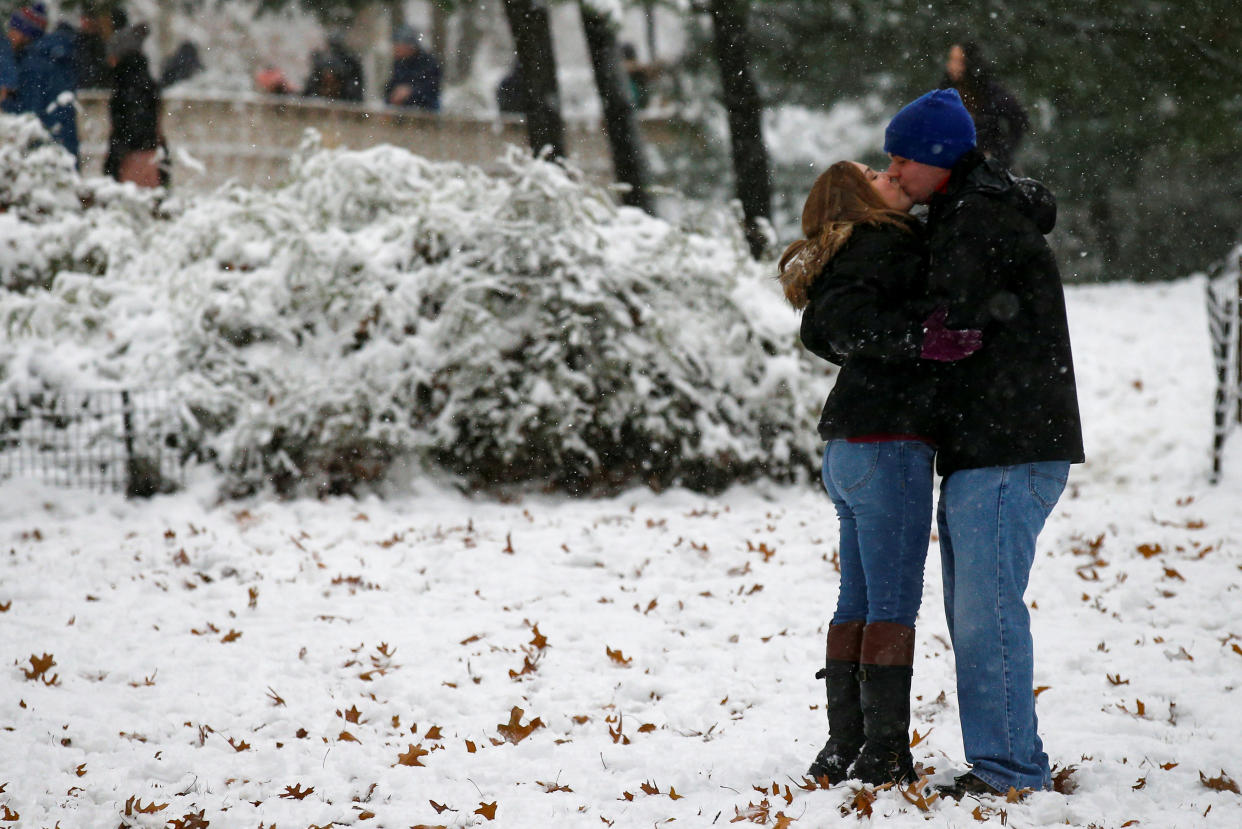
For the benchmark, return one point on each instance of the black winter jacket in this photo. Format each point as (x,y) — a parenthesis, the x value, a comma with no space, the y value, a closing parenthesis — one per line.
(134,110)
(421,72)
(1000,121)
(1015,400)
(865,314)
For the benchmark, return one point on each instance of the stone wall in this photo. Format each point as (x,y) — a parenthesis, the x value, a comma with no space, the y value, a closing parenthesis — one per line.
(250,139)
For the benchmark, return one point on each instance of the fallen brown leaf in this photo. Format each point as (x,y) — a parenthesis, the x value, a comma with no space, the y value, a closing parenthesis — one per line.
(617,656)
(1223,783)
(513,731)
(412,756)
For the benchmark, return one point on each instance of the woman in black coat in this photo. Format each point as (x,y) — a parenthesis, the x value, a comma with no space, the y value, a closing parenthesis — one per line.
(859,277)
(135,148)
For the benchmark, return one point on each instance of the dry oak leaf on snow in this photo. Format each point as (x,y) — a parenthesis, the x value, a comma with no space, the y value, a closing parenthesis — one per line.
(861,802)
(617,656)
(190,820)
(39,666)
(1223,783)
(411,757)
(514,731)
(296,792)
(755,813)
(134,806)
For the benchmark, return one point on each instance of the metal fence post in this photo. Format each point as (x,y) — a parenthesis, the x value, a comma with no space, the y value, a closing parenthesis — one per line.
(1224,319)
(1237,343)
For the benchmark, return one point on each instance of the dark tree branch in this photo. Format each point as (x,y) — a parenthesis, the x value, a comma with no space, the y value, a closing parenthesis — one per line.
(532,39)
(620,122)
(741,101)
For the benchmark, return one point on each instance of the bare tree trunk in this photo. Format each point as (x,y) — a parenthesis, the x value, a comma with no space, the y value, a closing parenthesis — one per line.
(649,29)
(439,31)
(396,13)
(741,101)
(368,35)
(620,123)
(532,40)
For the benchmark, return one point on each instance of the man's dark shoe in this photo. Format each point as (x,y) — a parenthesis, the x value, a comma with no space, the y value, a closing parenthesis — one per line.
(965,784)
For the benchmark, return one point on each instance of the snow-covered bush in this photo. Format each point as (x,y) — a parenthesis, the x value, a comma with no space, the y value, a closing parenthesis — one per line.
(45,221)
(514,327)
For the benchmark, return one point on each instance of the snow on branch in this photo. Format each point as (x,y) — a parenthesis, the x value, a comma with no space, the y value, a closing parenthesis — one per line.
(513,327)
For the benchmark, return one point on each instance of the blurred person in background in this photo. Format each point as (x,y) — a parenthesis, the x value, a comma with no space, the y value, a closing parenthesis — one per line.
(95,27)
(638,75)
(511,92)
(40,68)
(271,80)
(336,72)
(415,80)
(8,72)
(136,150)
(1000,121)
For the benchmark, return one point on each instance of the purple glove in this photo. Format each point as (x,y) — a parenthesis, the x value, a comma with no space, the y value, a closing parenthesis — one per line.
(948,344)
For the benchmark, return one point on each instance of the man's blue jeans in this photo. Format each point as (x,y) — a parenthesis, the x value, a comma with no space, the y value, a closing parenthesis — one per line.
(883,495)
(989,519)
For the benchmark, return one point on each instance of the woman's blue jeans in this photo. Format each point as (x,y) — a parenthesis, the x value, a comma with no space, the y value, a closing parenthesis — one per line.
(989,519)
(883,495)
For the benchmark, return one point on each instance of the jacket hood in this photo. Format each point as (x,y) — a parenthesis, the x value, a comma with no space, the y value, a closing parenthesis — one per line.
(57,46)
(976,174)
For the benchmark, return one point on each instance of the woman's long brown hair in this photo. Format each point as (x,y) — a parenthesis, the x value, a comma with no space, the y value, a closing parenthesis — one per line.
(839,199)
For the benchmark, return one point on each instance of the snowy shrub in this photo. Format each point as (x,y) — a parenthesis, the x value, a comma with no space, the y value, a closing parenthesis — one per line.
(46,226)
(513,327)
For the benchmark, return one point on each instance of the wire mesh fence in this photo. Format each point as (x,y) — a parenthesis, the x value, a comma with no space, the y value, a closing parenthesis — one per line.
(121,440)
(1224,306)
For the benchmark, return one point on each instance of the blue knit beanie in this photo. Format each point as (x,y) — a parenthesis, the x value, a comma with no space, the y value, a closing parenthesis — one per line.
(935,129)
(30,20)
(407,34)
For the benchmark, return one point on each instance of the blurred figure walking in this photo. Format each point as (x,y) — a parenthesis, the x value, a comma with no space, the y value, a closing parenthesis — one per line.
(336,72)
(415,80)
(38,73)
(136,151)
(95,28)
(1000,121)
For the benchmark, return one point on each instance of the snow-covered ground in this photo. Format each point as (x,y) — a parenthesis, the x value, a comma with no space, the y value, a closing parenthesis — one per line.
(436,659)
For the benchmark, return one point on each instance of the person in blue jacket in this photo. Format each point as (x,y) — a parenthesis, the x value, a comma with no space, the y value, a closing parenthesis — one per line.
(415,80)
(8,73)
(43,73)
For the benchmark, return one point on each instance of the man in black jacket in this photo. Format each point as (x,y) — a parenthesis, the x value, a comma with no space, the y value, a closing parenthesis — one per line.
(1009,428)
(415,80)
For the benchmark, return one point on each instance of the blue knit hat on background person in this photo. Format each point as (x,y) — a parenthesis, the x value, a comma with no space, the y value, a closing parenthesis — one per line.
(407,35)
(935,129)
(30,20)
